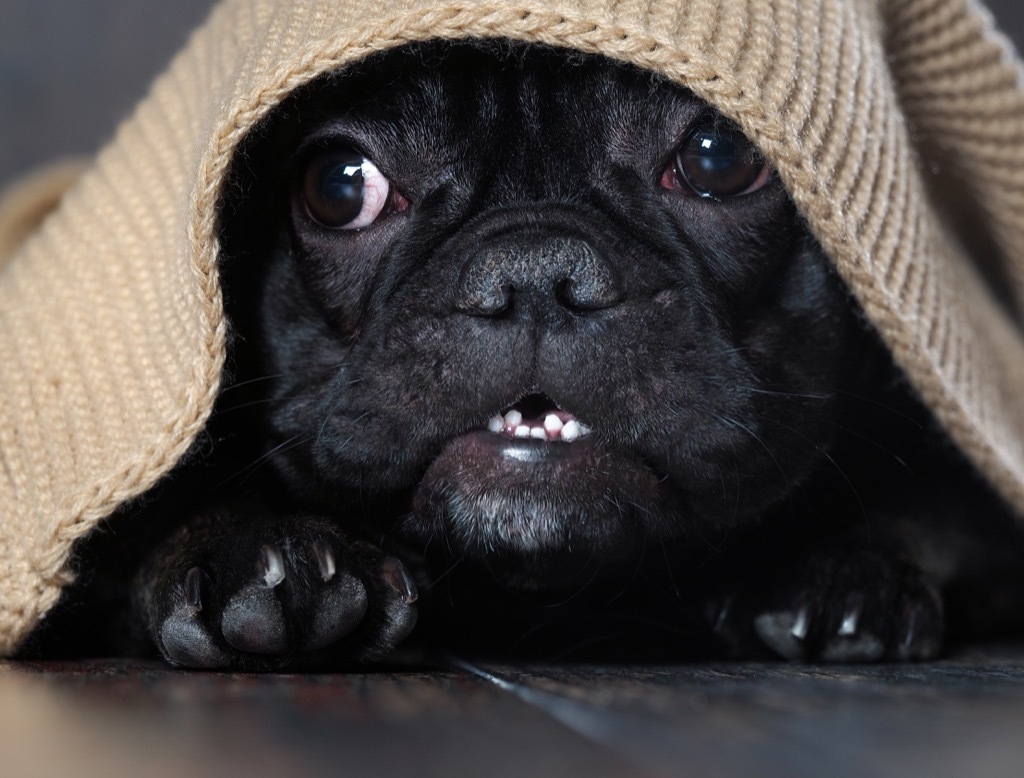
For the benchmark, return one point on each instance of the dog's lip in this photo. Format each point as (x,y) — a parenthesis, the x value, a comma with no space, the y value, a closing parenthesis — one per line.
(536,417)
(525,456)
(531,451)
(492,495)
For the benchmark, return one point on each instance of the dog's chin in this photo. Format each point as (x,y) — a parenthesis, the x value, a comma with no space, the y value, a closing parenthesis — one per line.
(558,505)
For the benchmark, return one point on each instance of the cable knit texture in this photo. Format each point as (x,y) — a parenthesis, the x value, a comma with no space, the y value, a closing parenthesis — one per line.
(885,118)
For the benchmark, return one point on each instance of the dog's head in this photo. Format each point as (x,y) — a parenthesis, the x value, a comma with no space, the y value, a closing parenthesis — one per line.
(533,302)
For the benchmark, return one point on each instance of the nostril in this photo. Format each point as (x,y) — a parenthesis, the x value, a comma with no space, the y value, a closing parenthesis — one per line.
(591,294)
(564,293)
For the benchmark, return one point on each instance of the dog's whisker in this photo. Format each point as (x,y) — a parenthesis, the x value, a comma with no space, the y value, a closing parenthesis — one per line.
(669,571)
(787,394)
(736,424)
(260,403)
(327,420)
(847,429)
(831,460)
(250,381)
(874,402)
(246,471)
(582,589)
(448,570)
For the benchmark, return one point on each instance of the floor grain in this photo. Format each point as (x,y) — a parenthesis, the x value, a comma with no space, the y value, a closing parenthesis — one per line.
(953,718)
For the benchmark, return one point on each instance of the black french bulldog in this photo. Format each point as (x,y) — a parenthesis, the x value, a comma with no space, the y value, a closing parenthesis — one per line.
(534,347)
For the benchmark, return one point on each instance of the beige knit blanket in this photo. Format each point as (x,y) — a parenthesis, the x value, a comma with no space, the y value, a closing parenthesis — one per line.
(881,116)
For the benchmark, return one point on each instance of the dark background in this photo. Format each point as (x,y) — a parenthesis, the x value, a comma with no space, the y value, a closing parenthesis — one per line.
(71,69)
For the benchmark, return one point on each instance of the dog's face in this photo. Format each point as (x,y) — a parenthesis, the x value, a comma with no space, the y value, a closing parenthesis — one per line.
(536,303)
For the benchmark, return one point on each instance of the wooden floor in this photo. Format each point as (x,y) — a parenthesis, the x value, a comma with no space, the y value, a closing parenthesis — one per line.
(961,717)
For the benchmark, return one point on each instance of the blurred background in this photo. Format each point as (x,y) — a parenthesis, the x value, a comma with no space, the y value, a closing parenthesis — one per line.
(70,70)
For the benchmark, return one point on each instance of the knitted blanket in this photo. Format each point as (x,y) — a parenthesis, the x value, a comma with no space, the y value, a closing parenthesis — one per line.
(896,125)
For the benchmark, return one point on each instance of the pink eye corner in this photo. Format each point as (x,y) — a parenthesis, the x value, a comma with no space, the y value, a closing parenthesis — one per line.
(717,162)
(343,190)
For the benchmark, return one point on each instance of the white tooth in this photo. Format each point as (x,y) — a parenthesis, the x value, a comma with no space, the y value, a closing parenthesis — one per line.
(552,423)
(496,424)
(513,419)
(570,431)
(522,431)
(584,430)
(538,433)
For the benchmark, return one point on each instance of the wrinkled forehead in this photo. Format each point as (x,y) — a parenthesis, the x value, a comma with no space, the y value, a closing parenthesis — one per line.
(422,89)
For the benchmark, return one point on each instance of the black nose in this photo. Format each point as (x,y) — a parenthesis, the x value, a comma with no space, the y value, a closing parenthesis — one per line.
(545,273)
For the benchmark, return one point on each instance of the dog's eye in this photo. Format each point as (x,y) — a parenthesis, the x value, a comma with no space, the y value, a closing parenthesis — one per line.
(717,161)
(343,190)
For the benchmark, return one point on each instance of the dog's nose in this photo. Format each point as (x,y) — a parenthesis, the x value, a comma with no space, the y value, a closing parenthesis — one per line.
(558,272)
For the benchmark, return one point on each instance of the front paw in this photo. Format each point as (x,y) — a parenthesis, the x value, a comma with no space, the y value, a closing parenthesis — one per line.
(836,605)
(273,594)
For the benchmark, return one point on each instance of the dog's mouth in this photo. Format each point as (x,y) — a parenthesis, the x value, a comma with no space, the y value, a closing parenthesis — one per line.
(537,480)
(538,417)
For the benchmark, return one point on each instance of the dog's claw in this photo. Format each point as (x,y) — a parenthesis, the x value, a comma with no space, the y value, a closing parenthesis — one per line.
(271,566)
(398,579)
(920,628)
(194,587)
(325,560)
(850,624)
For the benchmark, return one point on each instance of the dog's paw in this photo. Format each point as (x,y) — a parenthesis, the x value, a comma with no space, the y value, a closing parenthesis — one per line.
(292,592)
(862,605)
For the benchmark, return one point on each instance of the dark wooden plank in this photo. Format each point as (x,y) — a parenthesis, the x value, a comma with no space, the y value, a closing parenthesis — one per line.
(954,718)
(130,718)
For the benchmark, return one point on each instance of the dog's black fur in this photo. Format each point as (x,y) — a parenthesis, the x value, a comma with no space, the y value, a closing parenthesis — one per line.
(758,478)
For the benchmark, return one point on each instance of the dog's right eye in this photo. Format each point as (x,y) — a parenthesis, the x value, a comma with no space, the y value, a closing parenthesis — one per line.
(718,162)
(343,190)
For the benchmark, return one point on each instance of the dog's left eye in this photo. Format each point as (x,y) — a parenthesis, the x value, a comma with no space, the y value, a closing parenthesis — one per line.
(343,190)
(717,161)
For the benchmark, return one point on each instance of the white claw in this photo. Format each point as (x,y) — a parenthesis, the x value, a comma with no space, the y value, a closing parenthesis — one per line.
(273,567)
(849,626)
(802,624)
(851,618)
(325,559)
(570,431)
(496,424)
